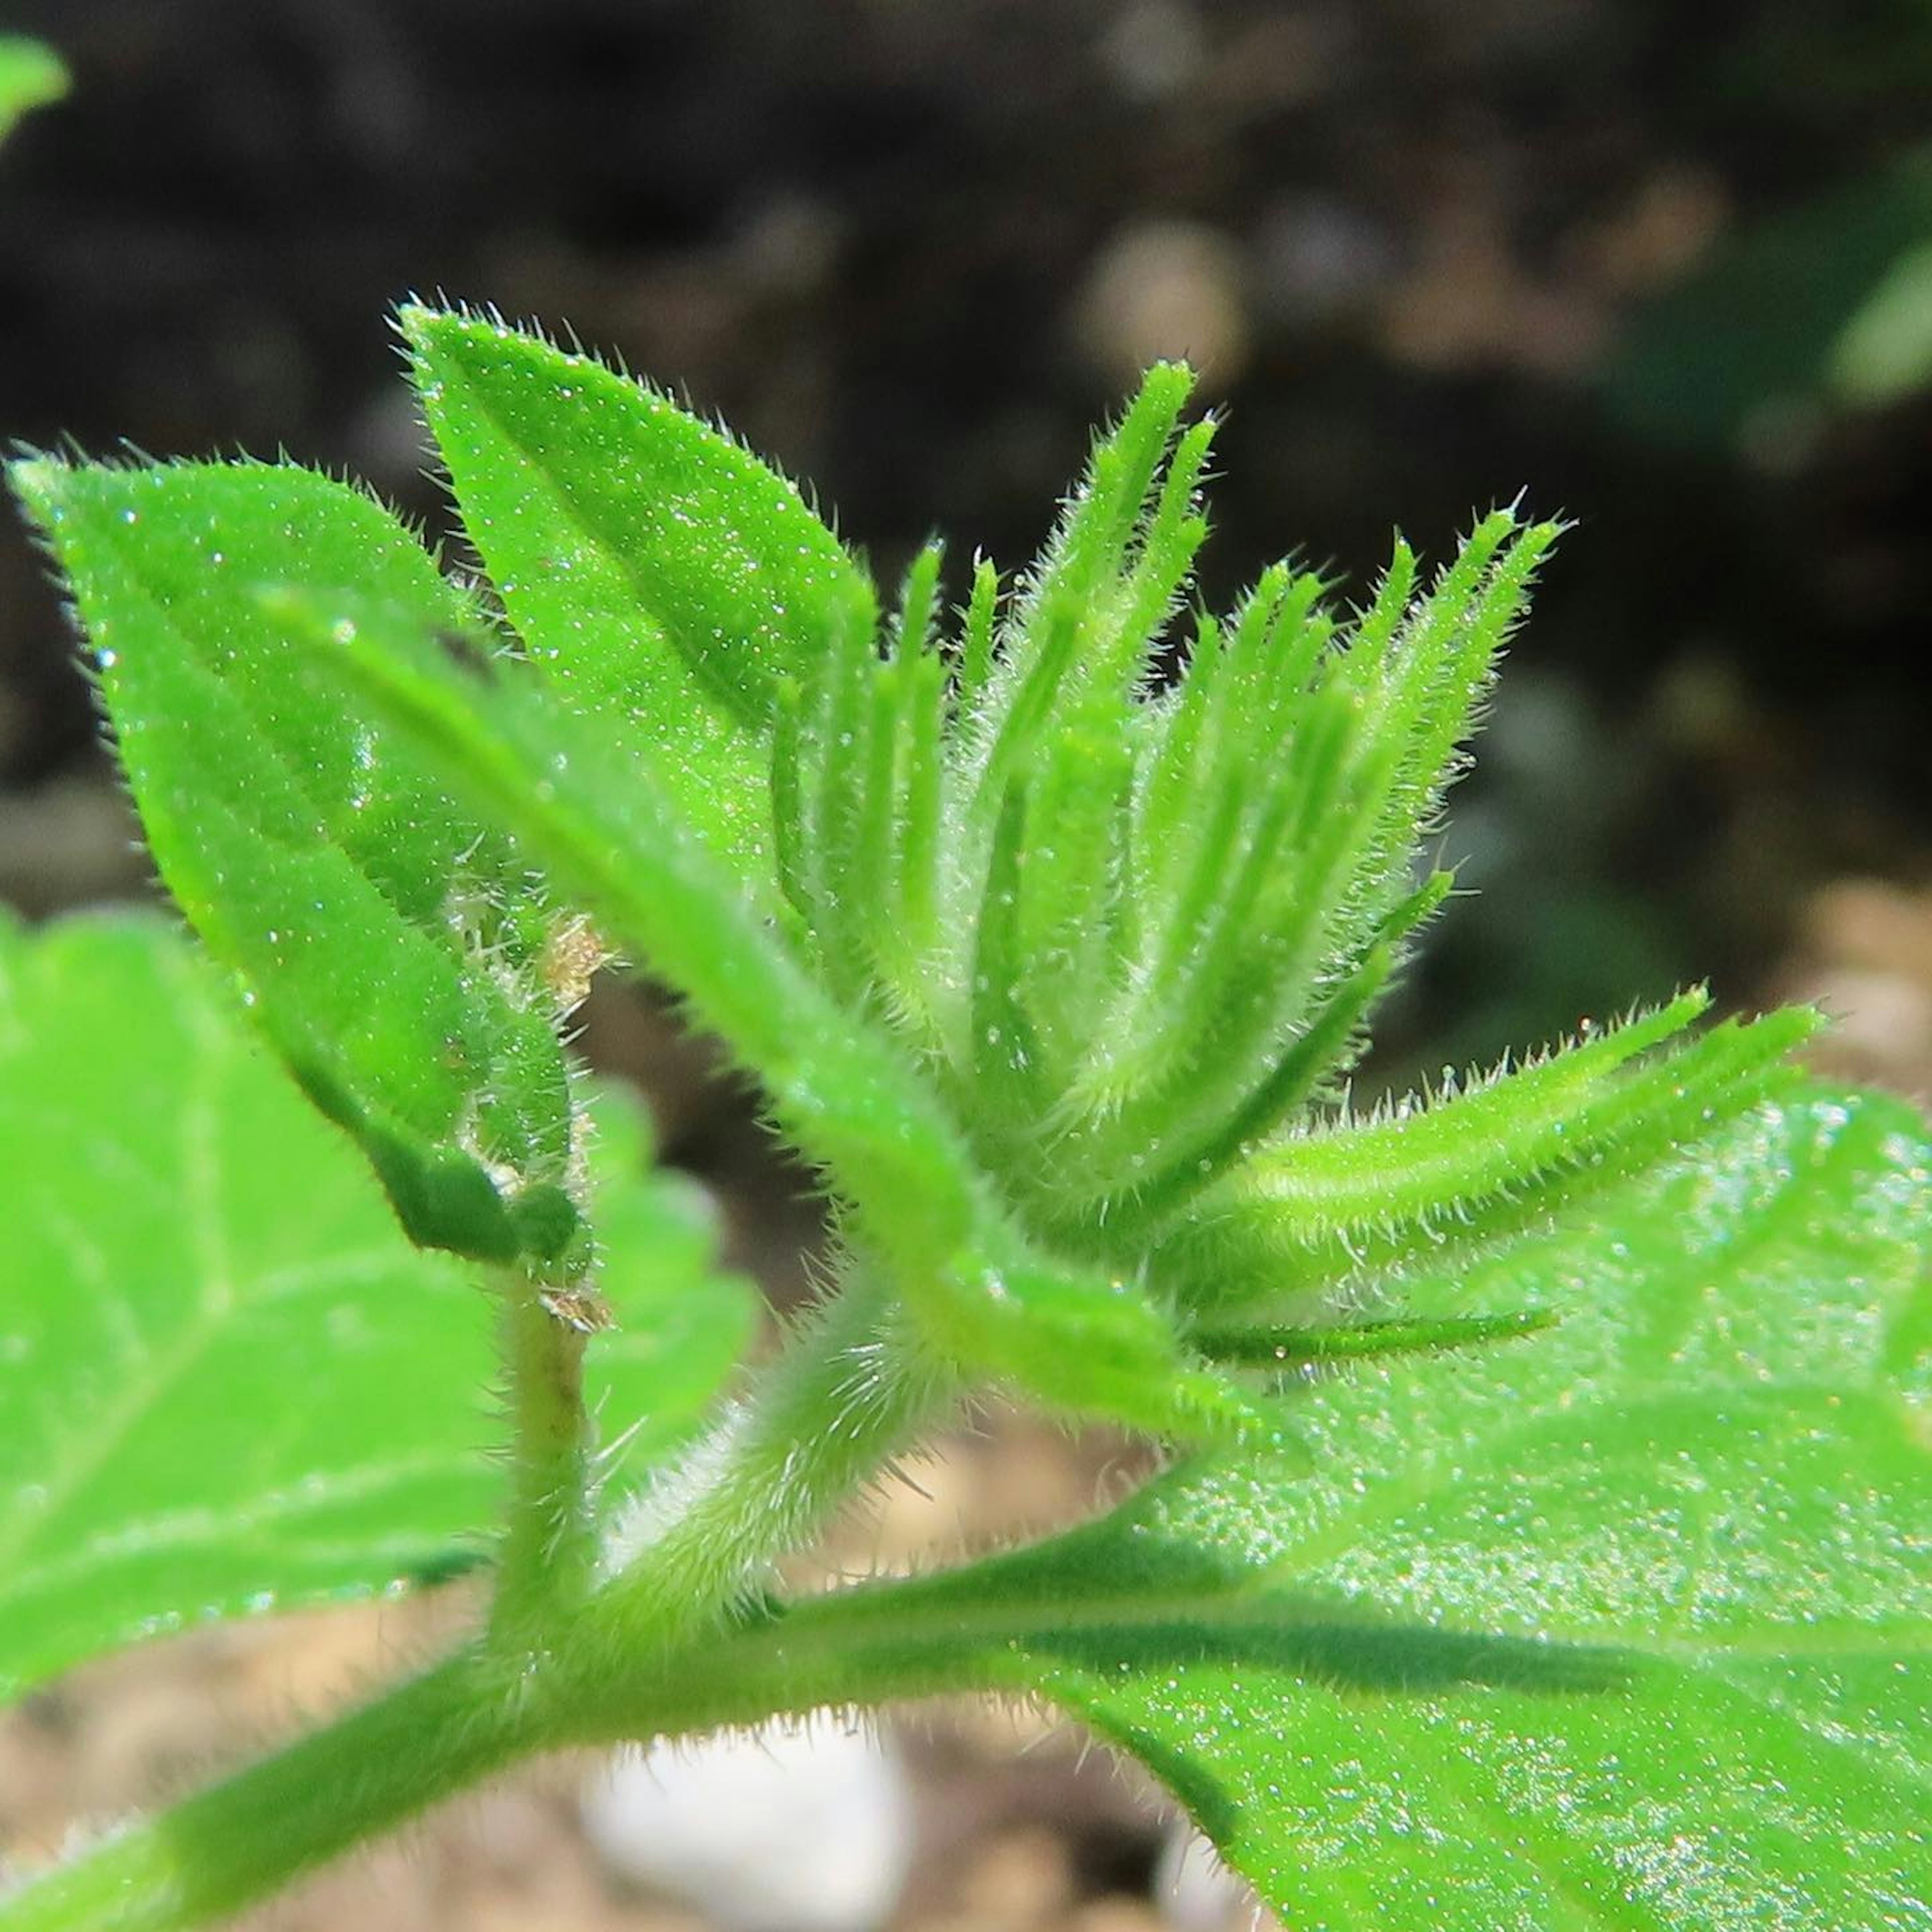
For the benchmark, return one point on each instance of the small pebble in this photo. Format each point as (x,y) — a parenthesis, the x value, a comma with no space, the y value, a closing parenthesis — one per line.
(802,1830)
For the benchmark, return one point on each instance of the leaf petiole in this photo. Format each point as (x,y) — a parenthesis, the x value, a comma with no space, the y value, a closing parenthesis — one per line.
(548,1553)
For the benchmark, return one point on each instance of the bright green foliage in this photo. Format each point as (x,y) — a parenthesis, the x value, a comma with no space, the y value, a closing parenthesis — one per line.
(834,1081)
(227,1382)
(1546,1546)
(1361,1202)
(1137,930)
(395,948)
(1134,931)
(1621,1625)
(666,579)
(1103,1011)
(31,76)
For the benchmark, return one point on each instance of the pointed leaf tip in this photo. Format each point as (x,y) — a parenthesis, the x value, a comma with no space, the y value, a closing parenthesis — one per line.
(657,570)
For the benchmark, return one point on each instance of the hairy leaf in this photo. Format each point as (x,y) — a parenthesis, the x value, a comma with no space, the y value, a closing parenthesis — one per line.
(1625,1623)
(1363,1200)
(393,948)
(658,571)
(1078,1340)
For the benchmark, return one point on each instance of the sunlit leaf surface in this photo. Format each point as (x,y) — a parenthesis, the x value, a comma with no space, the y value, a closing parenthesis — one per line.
(1069,1334)
(660,572)
(1623,1624)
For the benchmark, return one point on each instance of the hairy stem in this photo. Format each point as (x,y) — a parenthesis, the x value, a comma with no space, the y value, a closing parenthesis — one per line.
(252,1833)
(549,1545)
(815,1655)
(853,1389)
(435,1735)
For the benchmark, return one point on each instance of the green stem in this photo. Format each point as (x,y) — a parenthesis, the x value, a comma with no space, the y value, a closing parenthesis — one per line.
(853,1389)
(249,1835)
(372,1771)
(810,1657)
(549,1545)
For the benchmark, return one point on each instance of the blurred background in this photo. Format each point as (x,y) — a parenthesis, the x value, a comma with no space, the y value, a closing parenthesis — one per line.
(1668,270)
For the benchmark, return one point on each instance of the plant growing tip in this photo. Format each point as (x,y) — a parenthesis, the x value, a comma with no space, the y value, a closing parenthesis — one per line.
(1049,929)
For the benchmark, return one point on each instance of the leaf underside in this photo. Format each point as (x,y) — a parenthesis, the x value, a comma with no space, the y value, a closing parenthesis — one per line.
(228,1383)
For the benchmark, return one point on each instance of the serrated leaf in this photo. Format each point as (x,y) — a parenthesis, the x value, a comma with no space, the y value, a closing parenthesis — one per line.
(657,570)
(227,1382)
(393,948)
(1080,1339)
(1624,1625)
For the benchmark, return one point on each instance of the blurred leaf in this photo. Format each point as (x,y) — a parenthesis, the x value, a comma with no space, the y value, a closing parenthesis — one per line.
(31,76)
(1817,306)
(681,1325)
(227,1382)
(1885,351)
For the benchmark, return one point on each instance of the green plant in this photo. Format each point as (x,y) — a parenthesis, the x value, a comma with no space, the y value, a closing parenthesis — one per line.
(31,76)
(1541,1540)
